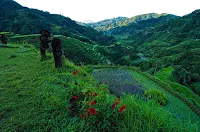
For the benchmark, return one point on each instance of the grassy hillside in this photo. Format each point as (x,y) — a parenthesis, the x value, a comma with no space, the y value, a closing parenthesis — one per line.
(78,51)
(37,97)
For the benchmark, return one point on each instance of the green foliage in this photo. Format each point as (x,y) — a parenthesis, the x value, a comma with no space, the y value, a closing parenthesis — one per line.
(156,95)
(166,75)
(42,101)
(138,114)
(18,19)
(174,98)
(184,77)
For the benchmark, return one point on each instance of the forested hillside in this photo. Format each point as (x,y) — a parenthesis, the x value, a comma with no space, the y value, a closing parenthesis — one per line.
(140,26)
(119,23)
(18,19)
(171,43)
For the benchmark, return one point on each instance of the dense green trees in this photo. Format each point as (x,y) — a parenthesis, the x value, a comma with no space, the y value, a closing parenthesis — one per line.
(18,19)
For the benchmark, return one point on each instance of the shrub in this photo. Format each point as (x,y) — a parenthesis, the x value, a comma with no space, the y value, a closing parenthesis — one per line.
(156,95)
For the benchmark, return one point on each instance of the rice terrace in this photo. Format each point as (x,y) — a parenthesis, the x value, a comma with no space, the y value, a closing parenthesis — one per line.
(133,73)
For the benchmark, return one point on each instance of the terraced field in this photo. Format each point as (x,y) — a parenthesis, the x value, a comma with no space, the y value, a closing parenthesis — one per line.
(130,81)
(119,81)
(76,50)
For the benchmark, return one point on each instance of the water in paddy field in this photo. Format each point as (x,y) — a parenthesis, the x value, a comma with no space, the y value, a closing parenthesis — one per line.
(119,81)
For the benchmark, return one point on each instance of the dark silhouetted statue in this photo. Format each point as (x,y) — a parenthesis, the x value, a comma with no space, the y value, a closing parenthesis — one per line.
(57,52)
(3,38)
(44,43)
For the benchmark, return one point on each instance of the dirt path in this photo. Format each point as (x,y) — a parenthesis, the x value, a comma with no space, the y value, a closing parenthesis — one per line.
(119,81)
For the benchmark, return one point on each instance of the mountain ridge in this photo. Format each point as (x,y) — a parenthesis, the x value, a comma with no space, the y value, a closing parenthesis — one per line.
(112,23)
(18,19)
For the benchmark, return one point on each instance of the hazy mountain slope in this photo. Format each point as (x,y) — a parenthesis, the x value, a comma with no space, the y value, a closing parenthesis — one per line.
(140,26)
(109,24)
(18,19)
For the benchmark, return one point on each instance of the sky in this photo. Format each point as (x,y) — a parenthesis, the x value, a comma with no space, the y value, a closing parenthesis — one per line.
(96,10)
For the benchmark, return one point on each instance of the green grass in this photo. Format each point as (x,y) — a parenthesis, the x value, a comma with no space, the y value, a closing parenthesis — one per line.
(75,49)
(177,107)
(165,75)
(4,32)
(34,96)
(24,36)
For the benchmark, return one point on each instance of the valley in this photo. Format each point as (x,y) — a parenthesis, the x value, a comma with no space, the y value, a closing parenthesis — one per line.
(121,74)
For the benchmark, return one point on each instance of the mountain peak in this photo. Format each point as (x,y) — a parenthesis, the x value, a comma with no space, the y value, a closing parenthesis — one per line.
(9,5)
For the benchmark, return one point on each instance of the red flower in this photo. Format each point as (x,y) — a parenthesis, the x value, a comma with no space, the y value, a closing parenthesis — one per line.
(113,105)
(93,102)
(106,83)
(89,112)
(117,102)
(122,108)
(75,97)
(82,115)
(93,111)
(95,94)
(75,72)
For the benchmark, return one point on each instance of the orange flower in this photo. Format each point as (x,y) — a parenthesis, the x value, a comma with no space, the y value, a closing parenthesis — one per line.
(122,108)
(93,102)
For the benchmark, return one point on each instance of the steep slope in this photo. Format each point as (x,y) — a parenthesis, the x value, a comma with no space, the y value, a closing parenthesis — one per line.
(22,20)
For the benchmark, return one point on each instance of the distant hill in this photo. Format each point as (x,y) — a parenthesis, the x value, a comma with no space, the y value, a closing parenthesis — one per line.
(140,26)
(110,24)
(107,24)
(18,19)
